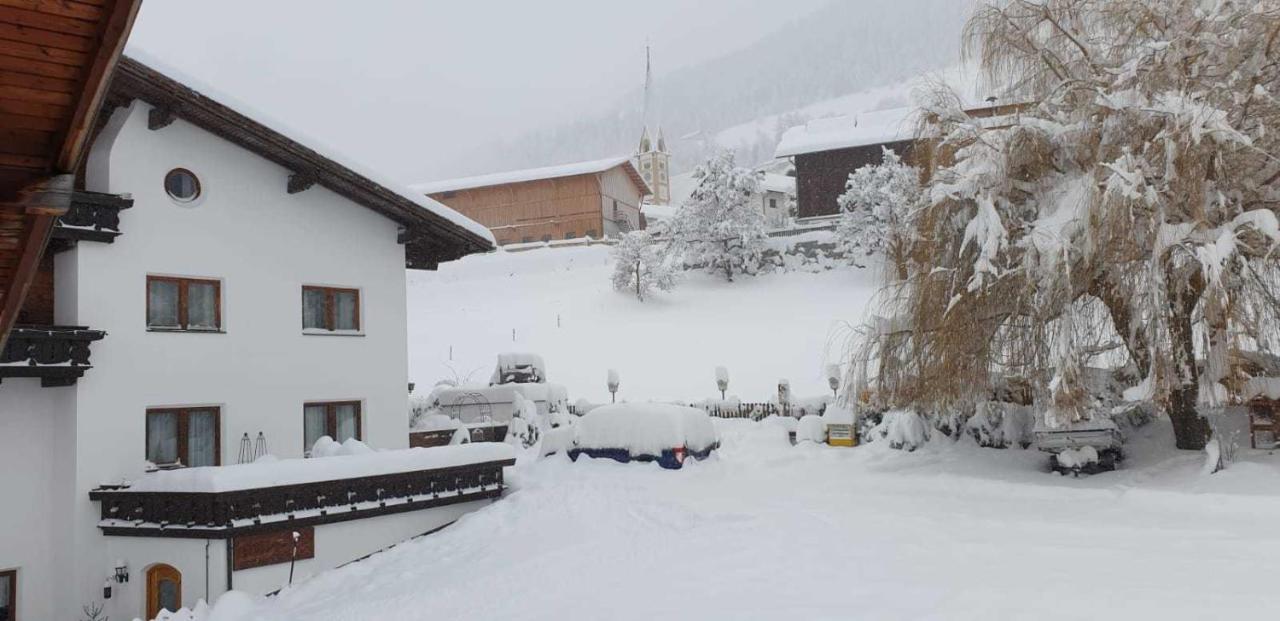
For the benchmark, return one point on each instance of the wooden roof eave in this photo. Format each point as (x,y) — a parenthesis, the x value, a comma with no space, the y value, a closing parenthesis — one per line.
(137,81)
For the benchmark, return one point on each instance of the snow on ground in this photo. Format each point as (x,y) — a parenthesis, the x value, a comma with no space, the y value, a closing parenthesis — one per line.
(561,305)
(763,530)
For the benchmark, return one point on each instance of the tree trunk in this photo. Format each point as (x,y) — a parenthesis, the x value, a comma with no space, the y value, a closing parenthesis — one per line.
(728,263)
(1190,430)
(639,293)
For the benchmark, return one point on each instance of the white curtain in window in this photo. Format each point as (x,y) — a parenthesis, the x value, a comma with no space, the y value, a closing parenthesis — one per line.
(202,437)
(313,308)
(202,300)
(162,304)
(346,414)
(313,423)
(345,310)
(162,437)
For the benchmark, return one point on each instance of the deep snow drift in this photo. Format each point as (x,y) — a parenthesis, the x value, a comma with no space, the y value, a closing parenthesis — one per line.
(764,530)
(560,304)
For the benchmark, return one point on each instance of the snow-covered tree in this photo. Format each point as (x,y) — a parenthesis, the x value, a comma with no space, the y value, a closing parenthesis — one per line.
(874,210)
(640,266)
(720,226)
(1129,212)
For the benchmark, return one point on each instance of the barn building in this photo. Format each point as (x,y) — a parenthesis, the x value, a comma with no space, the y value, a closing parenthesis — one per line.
(600,198)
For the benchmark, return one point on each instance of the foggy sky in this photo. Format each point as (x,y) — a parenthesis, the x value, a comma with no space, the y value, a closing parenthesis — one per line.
(408,85)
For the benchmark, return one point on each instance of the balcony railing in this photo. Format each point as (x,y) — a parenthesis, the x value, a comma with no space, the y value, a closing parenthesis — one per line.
(93,216)
(58,355)
(218,515)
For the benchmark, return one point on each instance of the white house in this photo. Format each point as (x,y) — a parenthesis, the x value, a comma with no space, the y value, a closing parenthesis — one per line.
(253,293)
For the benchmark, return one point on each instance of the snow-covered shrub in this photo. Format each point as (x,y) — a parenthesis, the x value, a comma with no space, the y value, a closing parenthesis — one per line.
(876,204)
(1001,425)
(903,429)
(641,266)
(327,447)
(720,227)
(811,428)
(526,423)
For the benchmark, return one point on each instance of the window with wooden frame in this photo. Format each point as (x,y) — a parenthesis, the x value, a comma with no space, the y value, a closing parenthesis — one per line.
(185,436)
(9,595)
(331,309)
(340,420)
(190,304)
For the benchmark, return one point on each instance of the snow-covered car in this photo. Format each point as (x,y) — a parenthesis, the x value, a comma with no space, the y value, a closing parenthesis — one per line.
(665,433)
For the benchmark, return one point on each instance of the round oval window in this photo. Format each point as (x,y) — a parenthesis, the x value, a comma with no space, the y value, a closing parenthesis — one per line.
(182,185)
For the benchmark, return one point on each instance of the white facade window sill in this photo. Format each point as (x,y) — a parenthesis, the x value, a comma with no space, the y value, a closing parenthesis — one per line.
(187,330)
(323,332)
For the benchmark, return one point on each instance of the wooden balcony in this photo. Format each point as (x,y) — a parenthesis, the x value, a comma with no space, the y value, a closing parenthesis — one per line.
(220,515)
(58,355)
(92,216)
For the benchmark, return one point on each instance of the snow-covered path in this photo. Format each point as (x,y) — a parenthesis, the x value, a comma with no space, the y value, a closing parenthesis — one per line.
(767,531)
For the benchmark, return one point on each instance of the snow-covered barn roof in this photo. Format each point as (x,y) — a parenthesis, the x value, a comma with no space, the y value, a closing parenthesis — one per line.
(433,231)
(536,174)
(844,132)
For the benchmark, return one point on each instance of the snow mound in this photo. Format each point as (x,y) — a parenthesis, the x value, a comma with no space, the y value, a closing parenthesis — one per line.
(811,428)
(645,428)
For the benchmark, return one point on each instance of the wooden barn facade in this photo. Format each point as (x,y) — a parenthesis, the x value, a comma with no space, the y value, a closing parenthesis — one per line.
(826,151)
(596,199)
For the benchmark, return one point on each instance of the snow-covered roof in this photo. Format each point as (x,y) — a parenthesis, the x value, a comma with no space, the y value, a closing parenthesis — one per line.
(844,132)
(535,174)
(773,182)
(139,64)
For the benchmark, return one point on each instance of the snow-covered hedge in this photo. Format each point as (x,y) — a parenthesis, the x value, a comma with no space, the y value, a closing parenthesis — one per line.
(902,429)
(645,428)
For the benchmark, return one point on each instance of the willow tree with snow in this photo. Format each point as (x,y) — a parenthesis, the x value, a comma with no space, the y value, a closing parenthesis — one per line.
(1125,217)
(721,226)
(640,266)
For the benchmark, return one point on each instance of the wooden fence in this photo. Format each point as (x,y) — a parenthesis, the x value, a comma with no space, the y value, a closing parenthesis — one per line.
(752,411)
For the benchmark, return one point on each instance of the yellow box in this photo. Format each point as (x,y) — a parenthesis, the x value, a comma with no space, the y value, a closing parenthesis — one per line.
(841,435)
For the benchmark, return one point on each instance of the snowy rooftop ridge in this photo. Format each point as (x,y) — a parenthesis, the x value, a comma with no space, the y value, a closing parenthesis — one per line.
(142,57)
(532,174)
(843,132)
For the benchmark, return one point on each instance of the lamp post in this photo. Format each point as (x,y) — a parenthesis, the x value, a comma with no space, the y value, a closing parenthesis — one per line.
(613,385)
(722,380)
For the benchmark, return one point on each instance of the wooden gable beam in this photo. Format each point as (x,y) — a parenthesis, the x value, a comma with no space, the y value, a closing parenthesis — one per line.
(115,28)
(42,202)
(161,117)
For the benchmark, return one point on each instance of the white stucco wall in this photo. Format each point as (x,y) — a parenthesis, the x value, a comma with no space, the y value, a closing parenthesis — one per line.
(30,421)
(263,244)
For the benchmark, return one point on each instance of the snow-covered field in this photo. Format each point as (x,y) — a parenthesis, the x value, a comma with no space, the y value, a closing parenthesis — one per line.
(560,304)
(763,530)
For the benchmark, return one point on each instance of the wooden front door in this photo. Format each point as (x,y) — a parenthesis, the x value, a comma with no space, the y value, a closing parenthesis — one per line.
(164,590)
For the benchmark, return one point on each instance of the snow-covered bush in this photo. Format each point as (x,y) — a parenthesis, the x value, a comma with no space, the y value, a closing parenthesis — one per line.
(902,429)
(327,447)
(720,227)
(811,428)
(877,202)
(641,266)
(1001,425)
(526,424)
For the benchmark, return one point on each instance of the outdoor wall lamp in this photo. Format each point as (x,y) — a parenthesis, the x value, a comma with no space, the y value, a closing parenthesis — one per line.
(121,571)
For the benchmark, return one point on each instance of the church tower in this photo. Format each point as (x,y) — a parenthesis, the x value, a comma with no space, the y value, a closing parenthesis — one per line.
(652,158)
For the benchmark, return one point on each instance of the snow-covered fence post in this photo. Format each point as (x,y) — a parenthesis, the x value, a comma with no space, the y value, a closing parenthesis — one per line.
(722,380)
(613,385)
(784,396)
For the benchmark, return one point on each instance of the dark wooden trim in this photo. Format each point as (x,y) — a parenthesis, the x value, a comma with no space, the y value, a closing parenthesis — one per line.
(299,182)
(320,520)
(11,576)
(161,117)
(272,547)
(183,414)
(183,282)
(218,515)
(41,202)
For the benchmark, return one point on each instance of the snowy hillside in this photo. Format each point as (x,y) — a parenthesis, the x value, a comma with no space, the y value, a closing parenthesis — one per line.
(560,304)
(842,50)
